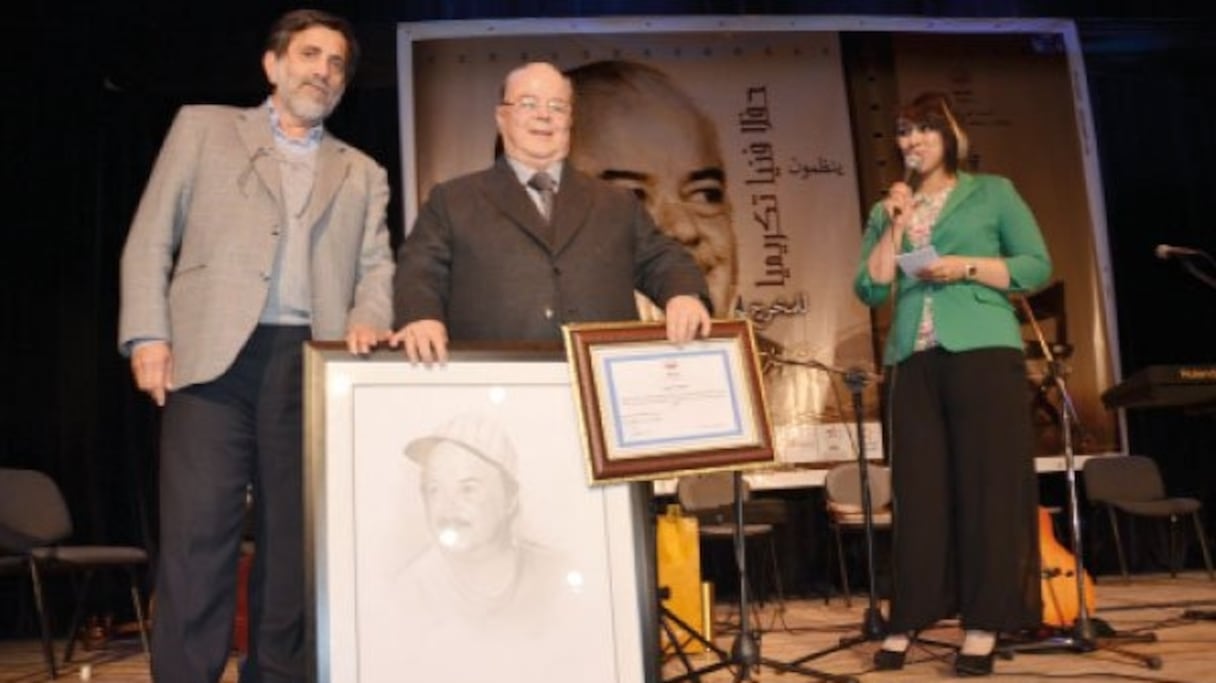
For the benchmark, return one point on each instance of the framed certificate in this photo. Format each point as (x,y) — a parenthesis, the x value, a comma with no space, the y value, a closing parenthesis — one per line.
(652,409)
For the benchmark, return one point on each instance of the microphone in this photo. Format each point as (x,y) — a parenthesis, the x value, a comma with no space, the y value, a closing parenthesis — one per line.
(911,169)
(1184,254)
(1168,251)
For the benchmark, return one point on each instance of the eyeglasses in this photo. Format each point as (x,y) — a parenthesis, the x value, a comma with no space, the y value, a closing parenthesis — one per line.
(531,105)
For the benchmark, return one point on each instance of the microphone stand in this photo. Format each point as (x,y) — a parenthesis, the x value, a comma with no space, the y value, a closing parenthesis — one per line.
(1083,636)
(745,652)
(873,625)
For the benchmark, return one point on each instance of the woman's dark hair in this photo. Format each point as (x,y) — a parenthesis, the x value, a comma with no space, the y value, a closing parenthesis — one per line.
(303,19)
(933,111)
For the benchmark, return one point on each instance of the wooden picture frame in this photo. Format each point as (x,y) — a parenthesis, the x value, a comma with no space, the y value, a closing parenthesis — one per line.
(370,524)
(650,409)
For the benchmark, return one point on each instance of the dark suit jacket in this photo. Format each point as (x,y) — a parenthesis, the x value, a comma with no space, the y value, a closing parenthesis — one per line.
(477,260)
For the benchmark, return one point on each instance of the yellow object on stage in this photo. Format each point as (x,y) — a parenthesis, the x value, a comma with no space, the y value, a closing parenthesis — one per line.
(679,571)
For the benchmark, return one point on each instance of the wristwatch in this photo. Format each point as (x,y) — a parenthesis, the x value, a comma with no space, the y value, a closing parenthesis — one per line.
(970,271)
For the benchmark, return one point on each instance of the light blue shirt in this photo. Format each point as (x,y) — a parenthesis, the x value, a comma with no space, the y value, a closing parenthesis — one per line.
(290,298)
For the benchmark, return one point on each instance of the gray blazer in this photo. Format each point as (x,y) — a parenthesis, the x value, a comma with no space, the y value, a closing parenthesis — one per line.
(477,258)
(197,262)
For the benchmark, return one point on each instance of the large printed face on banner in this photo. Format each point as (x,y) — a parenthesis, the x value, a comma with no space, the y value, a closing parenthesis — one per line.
(636,128)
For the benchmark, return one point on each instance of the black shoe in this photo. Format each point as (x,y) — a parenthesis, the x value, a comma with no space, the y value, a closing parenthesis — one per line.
(889,660)
(973,665)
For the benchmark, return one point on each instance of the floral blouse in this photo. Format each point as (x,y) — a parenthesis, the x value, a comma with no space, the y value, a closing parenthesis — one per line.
(925,210)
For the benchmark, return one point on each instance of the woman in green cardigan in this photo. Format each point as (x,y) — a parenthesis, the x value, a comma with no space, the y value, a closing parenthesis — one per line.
(946,247)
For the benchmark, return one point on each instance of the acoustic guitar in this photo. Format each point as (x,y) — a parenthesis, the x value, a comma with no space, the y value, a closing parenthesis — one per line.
(1060,606)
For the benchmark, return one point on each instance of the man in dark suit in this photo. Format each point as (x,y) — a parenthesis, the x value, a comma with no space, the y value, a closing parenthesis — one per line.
(257,231)
(503,254)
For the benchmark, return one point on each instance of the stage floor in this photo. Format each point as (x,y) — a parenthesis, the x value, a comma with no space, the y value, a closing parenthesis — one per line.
(1150,603)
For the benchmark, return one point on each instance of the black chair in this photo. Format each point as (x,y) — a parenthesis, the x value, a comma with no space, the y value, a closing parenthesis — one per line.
(710,498)
(1131,485)
(34,523)
(842,498)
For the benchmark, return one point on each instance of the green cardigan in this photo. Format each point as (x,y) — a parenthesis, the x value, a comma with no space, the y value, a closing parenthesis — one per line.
(983,217)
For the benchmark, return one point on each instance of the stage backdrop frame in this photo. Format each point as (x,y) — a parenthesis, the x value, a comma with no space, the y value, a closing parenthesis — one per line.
(813,433)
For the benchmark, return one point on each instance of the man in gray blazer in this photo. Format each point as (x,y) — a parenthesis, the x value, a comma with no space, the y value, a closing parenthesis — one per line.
(493,256)
(257,232)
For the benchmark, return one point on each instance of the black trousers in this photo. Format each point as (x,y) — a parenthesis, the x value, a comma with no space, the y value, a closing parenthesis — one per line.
(243,428)
(965,492)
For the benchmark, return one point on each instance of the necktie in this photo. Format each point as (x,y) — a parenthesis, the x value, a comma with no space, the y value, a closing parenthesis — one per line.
(543,183)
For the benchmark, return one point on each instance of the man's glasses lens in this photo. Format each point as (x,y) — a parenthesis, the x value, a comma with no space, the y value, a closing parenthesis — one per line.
(531,105)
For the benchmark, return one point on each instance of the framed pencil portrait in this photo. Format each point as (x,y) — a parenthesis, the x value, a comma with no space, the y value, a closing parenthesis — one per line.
(651,409)
(452,534)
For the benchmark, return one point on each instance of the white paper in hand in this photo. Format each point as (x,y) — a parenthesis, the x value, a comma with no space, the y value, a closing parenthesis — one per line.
(912,262)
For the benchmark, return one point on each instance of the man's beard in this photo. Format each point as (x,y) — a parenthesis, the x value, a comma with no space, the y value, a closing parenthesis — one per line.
(310,109)
(308,99)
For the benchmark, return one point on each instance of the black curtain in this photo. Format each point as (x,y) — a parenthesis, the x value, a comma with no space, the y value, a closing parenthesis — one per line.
(1156,135)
